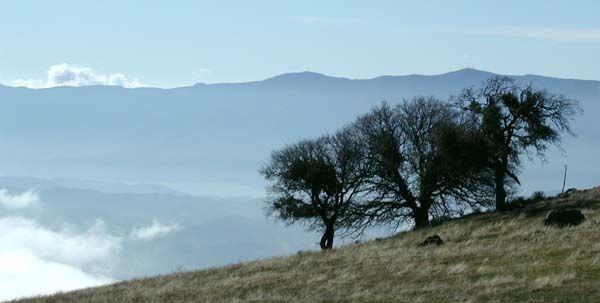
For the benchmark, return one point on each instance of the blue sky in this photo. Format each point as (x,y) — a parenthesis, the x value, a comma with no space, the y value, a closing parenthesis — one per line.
(174,43)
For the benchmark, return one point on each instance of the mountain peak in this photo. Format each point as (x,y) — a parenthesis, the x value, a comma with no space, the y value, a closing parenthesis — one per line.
(300,77)
(468,71)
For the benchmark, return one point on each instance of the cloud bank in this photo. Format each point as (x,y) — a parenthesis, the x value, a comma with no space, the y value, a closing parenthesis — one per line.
(22,271)
(36,259)
(18,201)
(71,75)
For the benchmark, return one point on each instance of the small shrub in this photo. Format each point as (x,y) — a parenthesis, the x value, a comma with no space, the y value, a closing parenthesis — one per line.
(538,196)
(518,202)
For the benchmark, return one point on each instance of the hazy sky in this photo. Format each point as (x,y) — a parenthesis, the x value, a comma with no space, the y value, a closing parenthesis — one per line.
(174,43)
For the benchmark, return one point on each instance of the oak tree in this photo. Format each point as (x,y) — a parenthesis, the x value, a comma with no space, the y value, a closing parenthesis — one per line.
(516,120)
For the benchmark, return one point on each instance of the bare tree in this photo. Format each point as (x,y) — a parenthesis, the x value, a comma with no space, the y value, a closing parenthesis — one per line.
(317,182)
(516,120)
(421,165)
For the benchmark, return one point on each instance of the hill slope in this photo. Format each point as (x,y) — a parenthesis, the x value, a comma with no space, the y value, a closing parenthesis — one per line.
(493,257)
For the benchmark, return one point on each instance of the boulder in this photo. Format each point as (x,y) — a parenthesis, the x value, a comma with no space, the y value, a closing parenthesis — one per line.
(564,217)
(433,240)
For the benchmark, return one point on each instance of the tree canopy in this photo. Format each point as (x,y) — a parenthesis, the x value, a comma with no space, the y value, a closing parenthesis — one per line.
(318,182)
(419,153)
(516,120)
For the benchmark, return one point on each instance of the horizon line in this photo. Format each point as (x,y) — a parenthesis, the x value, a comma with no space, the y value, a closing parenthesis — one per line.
(466,69)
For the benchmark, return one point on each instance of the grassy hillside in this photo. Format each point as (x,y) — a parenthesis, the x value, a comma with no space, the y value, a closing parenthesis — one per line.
(494,257)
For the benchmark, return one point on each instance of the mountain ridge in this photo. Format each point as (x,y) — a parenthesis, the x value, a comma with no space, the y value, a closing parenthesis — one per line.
(195,135)
(314,76)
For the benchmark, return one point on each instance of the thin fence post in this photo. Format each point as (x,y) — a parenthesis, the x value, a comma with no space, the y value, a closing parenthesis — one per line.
(564,181)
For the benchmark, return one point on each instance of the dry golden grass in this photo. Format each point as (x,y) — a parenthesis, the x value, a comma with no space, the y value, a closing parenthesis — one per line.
(494,257)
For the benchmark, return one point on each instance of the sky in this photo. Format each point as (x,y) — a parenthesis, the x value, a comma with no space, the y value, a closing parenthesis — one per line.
(178,43)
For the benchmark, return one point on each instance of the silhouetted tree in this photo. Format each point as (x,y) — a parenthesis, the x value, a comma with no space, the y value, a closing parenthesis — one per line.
(515,120)
(422,156)
(317,182)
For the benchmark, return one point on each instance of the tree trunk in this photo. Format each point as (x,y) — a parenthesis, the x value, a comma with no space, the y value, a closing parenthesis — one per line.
(421,216)
(500,191)
(327,238)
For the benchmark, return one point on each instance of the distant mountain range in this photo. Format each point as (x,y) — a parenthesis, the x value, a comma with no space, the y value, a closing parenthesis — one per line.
(100,186)
(212,138)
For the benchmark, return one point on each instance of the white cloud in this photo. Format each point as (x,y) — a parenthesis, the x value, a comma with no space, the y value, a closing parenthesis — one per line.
(67,245)
(155,230)
(545,33)
(71,75)
(18,201)
(37,260)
